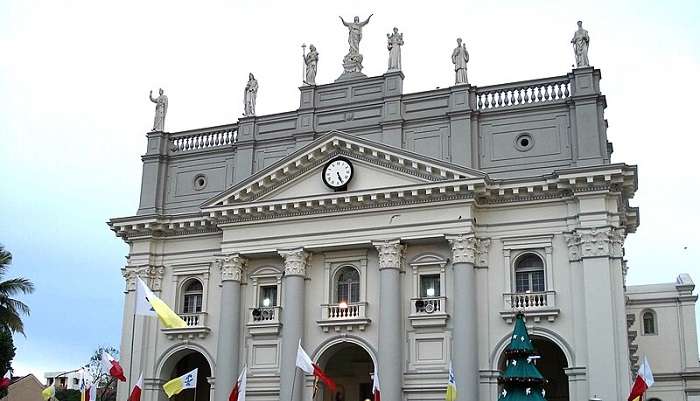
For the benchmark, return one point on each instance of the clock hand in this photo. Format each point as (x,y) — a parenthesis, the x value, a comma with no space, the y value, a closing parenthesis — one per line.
(339,177)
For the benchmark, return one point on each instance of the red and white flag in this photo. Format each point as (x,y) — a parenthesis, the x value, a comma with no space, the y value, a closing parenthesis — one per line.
(6,380)
(238,392)
(112,366)
(643,381)
(375,386)
(304,363)
(136,391)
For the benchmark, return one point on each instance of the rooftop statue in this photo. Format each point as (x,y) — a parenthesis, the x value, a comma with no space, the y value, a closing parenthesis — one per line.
(352,62)
(394,43)
(311,66)
(580,42)
(460,58)
(161,109)
(250,95)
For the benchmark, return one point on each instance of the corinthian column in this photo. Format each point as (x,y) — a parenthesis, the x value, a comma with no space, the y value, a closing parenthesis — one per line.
(295,264)
(465,345)
(390,333)
(229,325)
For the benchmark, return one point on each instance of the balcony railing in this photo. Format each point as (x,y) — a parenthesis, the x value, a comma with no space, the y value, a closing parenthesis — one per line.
(525,92)
(428,305)
(194,319)
(203,138)
(264,314)
(537,305)
(341,315)
(196,327)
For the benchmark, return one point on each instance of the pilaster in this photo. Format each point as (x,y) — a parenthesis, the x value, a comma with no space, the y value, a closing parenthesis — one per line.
(589,125)
(392,123)
(155,168)
(244,149)
(459,114)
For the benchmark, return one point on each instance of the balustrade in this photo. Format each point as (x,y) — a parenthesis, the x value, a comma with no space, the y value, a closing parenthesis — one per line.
(541,91)
(343,311)
(428,305)
(529,300)
(194,319)
(203,139)
(265,314)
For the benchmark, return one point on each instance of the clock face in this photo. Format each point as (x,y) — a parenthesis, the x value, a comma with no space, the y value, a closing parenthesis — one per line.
(337,173)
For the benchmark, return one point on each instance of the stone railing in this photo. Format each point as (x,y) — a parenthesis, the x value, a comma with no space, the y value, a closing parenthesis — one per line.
(265,314)
(343,311)
(205,138)
(523,93)
(194,319)
(529,300)
(428,305)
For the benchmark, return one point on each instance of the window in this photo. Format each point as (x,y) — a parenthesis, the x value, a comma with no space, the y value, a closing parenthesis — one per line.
(348,285)
(529,274)
(649,322)
(268,296)
(192,297)
(429,285)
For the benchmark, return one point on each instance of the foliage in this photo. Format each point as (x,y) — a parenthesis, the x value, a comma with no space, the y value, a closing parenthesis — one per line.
(67,395)
(107,386)
(12,310)
(7,353)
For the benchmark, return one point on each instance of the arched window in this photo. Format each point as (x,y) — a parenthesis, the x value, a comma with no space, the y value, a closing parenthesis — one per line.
(348,285)
(192,297)
(649,322)
(529,273)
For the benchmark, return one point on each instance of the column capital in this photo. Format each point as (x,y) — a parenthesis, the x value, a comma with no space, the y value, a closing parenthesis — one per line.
(231,267)
(295,261)
(467,248)
(595,242)
(152,275)
(390,253)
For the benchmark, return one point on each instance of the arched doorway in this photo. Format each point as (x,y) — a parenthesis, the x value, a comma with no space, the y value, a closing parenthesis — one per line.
(185,361)
(551,364)
(351,368)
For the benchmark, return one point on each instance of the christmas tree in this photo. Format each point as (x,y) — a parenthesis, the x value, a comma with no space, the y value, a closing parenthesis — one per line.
(520,379)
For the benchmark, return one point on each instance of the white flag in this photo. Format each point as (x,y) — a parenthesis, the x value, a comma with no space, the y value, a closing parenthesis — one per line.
(143,307)
(303,361)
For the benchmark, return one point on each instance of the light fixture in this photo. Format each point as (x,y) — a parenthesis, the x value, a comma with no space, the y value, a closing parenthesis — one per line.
(266,302)
(343,305)
(430,292)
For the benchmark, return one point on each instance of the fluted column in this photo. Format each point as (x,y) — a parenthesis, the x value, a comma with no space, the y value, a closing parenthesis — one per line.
(295,264)
(465,353)
(390,333)
(227,351)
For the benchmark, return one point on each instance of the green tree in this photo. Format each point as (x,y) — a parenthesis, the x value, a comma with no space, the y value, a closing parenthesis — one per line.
(7,353)
(12,310)
(106,385)
(67,395)
(521,380)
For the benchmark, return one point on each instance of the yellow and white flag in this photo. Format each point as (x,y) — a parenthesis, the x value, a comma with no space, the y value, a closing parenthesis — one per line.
(176,385)
(451,393)
(48,392)
(148,304)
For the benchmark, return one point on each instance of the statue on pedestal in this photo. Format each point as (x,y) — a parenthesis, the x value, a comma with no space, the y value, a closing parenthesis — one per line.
(311,62)
(161,109)
(352,62)
(250,95)
(394,43)
(580,42)
(460,58)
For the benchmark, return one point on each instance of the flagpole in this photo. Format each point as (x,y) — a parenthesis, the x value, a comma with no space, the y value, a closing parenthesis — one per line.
(294,379)
(131,353)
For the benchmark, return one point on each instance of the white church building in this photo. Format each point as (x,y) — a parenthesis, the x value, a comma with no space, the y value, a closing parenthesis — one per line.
(393,233)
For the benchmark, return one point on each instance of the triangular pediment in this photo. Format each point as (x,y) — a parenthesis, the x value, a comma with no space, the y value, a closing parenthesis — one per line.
(376,166)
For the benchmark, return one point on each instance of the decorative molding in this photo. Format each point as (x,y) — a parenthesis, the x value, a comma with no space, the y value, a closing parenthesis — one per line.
(231,267)
(390,254)
(150,274)
(482,252)
(295,262)
(463,248)
(595,242)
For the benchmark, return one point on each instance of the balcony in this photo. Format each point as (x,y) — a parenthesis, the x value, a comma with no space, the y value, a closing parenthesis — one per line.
(428,312)
(535,305)
(264,320)
(196,327)
(338,316)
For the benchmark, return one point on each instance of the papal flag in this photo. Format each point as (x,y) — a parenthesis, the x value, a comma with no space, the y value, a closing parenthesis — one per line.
(176,385)
(148,304)
(451,393)
(48,392)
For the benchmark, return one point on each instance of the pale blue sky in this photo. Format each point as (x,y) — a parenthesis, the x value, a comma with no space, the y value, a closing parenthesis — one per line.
(74,82)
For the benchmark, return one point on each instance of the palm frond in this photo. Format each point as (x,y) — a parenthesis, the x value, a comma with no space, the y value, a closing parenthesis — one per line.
(16,285)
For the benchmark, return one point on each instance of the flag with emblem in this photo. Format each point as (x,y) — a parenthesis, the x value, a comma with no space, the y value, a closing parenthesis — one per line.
(48,393)
(451,393)
(148,304)
(176,385)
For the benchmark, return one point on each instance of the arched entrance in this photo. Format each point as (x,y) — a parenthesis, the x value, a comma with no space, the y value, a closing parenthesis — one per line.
(351,368)
(551,364)
(185,361)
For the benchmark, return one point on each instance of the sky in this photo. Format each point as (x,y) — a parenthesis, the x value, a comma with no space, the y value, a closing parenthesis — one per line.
(74,110)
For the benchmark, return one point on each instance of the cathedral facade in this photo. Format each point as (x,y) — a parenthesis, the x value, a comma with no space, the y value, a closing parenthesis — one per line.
(393,233)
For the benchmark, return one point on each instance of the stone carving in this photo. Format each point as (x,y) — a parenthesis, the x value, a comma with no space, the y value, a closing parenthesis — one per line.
(464,248)
(580,42)
(250,96)
(231,267)
(161,109)
(390,254)
(352,62)
(595,242)
(394,43)
(151,275)
(311,66)
(295,262)
(482,252)
(460,58)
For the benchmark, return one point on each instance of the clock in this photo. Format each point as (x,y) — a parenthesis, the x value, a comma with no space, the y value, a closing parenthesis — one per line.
(337,173)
